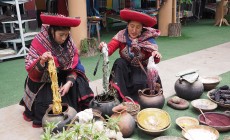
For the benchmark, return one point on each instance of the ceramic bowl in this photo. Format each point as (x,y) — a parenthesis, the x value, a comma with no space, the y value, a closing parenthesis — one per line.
(219,121)
(153,119)
(200,132)
(186,121)
(210,82)
(204,104)
(168,138)
(153,132)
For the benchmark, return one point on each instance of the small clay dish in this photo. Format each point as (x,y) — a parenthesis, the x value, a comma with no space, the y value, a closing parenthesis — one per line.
(179,103)
(186,121)
(204,104)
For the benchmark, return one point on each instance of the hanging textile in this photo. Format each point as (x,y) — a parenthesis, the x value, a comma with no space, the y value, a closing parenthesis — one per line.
(116,5)
(109,4)
(135,3)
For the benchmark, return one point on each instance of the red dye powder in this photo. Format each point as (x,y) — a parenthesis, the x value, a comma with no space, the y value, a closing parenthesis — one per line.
(216,119)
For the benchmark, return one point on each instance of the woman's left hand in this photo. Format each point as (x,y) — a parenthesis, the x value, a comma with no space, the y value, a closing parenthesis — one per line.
(65,88)
(156,54)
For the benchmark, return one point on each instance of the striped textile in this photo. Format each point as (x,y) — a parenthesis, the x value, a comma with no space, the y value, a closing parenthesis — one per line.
(102,3)
(64,57)
(142,40)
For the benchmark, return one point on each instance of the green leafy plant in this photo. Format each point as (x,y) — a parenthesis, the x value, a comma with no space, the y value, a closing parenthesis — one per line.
(112,123)
(84,45)
(47,135)
(77,131)
(88,45)
(179,6)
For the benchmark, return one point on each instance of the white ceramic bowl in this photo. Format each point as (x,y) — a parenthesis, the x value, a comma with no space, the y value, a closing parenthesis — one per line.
(204,104)
(200,132)
(186,121)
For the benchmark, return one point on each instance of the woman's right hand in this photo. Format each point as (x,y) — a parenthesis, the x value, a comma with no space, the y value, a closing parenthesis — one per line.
(45,57)
(101,45)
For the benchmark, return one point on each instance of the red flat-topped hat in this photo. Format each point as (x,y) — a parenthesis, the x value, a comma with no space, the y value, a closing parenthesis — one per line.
(59,20)
(130,15)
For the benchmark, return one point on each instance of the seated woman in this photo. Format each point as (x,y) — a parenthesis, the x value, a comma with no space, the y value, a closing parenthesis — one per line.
(136,44)
(54,42)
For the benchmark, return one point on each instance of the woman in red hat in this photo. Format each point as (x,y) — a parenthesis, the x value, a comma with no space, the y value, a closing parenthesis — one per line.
(136,44)
(54,42)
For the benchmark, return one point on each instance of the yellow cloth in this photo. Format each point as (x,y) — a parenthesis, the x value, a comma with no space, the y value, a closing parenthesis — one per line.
(109,4)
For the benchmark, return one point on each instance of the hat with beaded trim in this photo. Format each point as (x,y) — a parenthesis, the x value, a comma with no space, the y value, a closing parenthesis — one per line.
(59,20)
(131,15)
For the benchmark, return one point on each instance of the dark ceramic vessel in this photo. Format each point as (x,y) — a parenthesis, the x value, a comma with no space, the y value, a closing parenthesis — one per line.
(104,104)
(62,119)
(147,100)
(187,90)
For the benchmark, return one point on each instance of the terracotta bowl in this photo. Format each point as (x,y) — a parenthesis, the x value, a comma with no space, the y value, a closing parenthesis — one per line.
(153,132)
(153,119)
(168,138)
(186,121)
(204,104)
(219,121)
(210,82)
(200,132)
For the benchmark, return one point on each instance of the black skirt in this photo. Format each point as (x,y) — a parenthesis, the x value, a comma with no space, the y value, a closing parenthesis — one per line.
(78,97)
(128,78)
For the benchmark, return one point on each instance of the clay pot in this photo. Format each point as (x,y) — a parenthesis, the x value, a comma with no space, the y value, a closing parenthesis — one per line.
(126,121)
(105,106)
(62,119)
(187,90)
(147,100)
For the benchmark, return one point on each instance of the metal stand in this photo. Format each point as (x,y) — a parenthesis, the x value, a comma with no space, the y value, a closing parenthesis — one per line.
(91,23)
(23,37)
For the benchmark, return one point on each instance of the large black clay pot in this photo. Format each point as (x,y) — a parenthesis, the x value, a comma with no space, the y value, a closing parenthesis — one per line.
(148,100)
(62,119)
(189,91)
(104,103)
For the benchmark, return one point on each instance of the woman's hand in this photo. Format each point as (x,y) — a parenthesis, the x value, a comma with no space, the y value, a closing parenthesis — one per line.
(156,54)
(65,88)
(45,57)
(101,45)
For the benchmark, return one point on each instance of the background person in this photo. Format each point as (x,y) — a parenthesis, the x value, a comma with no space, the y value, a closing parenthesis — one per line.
(136,44)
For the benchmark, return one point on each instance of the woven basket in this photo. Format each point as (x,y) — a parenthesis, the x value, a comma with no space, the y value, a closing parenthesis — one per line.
(132,107)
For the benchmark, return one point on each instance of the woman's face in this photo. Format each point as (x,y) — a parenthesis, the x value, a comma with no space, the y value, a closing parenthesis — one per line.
(134,29)
(60,36)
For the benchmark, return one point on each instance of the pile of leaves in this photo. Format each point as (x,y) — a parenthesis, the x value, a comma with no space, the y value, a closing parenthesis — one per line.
(91,130)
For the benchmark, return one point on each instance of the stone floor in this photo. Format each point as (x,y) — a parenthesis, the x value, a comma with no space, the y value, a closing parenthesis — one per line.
(211,61)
